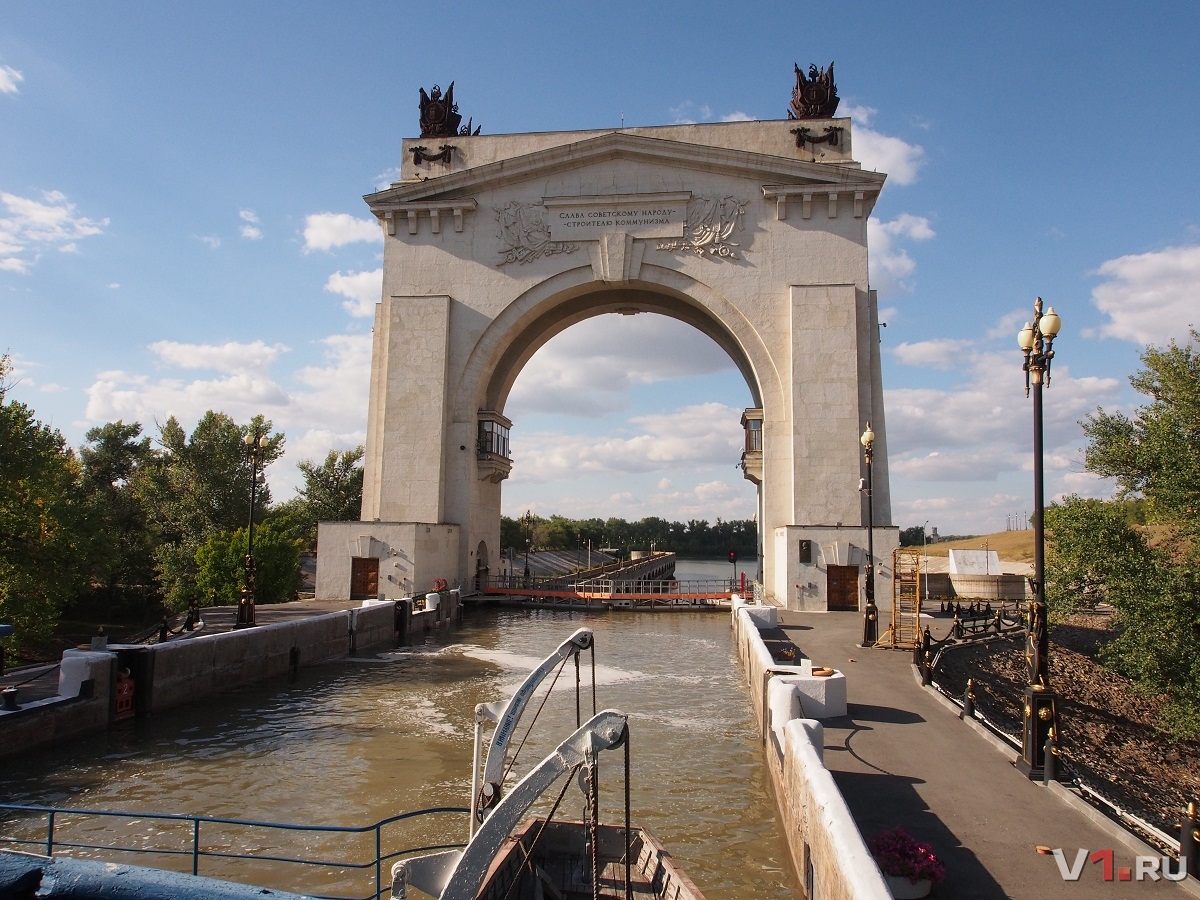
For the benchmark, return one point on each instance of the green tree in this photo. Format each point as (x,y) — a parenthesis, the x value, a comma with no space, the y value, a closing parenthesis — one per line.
(1094,555)
(220,559)
(121,561)
(1156,453)
(197,486)
(42,523)
(332,492)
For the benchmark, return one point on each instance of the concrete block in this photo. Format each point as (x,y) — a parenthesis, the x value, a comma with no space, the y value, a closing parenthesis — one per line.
(819,698)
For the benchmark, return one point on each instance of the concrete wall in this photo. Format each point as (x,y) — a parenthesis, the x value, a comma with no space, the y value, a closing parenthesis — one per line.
(412,556)
(803,586)
(84,704)
(186,670)
(828,852)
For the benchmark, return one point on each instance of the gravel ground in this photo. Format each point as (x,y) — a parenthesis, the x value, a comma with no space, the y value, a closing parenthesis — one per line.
(1110,733)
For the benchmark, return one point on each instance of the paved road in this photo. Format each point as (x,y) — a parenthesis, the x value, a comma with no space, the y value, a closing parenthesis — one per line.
(901,756)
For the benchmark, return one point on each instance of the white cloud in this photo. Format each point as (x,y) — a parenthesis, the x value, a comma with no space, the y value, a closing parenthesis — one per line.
(33,225)
(860,114)
(362,288)
(113,286)
(231,356)
(323,409)
(884,153)
(9,79)
(938,353)
(889,263)
(251,232)
(131,396)
(586,370)
(1151,297)
(688,113)
(53,388)
(248,215)
(387,178)
(210,241)
(324,231)
(704,434)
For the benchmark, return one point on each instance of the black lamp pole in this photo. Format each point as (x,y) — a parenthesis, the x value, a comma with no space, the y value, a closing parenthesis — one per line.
(871,614)
(528,540)
(1041,708)
(256,444)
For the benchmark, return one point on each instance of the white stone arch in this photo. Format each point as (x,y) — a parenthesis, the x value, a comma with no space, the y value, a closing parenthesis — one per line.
(467,300)
(573,296)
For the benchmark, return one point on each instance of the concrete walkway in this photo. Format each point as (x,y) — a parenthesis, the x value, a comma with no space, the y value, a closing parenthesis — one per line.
(902,757)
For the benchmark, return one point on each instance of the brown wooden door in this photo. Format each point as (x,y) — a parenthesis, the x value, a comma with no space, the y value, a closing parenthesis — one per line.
(364,578)
(843,587)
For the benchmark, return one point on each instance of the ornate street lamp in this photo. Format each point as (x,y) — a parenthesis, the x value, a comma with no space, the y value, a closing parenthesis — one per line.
(871,615)
(1041,709)
(528,520)
(256,444)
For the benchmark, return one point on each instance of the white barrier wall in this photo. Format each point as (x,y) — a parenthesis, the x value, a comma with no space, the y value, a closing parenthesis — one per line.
(828,851)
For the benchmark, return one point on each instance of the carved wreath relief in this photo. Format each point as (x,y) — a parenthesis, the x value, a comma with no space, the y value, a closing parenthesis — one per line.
(710,223)
(525,233)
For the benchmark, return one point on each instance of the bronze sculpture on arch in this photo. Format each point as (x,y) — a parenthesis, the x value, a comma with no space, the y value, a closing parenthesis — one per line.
(814,97)
(439,115)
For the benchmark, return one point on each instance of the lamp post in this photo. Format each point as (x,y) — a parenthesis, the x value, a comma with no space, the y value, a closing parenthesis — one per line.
(528,519)
(1041,710)
(871,615)
(256,444)
(925,557)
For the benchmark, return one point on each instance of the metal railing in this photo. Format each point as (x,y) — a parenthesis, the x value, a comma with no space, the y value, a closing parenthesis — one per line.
(51,842)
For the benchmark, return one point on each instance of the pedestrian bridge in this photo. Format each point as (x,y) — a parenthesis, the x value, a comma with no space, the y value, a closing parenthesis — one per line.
(642,583)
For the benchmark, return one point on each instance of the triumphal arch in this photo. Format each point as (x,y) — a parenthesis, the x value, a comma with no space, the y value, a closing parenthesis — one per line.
(753,232)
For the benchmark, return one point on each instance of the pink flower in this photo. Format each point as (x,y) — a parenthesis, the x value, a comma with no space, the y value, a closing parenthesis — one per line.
(898,853)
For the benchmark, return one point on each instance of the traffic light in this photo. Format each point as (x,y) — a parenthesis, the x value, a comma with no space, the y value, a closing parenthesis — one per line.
(733,556)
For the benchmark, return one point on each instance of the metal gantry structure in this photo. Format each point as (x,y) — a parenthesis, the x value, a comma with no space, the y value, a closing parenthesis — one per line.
(906,598)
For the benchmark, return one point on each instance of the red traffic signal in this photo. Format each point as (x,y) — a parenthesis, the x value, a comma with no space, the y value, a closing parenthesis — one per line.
(733,556)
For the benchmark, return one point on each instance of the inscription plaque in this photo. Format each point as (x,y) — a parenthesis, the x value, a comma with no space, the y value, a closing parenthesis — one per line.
(584,219)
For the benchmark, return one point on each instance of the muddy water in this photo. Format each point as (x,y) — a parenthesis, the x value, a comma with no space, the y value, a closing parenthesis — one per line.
(354,742)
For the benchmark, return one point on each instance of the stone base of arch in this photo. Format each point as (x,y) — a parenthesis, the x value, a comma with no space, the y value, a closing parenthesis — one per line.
(804,555)
(412,557)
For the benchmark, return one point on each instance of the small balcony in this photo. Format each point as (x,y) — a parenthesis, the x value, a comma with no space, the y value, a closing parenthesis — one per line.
(752,455)
(492,454)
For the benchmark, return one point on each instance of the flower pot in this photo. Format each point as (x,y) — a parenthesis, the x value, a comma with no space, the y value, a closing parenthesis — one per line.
(904,889)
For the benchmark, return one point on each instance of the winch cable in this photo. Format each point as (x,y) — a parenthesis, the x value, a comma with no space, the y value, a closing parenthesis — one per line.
(628,825)
(593,822)
(593,649)
(528,864)
(578,720)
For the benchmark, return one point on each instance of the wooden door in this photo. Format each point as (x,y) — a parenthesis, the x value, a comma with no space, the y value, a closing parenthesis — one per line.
(843,587)
(364,578)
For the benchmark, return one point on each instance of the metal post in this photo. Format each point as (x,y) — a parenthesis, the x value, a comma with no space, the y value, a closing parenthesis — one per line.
(1189,842)
(871,614)
(1041,708)
(257,444)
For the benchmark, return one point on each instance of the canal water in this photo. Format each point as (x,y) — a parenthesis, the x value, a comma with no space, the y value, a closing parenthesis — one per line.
(353,742)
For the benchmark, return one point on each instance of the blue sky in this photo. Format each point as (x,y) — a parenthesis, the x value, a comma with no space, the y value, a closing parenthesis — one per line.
(181,222)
